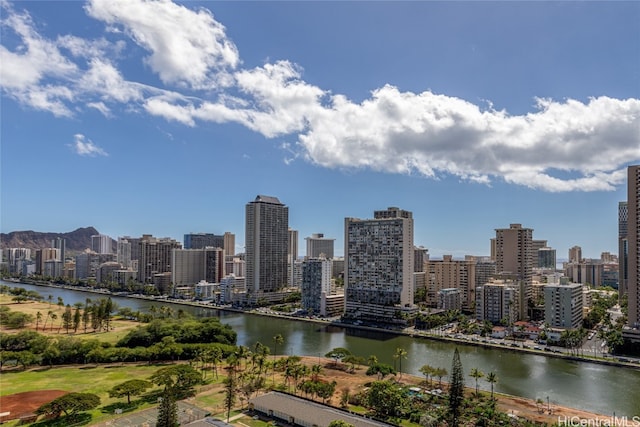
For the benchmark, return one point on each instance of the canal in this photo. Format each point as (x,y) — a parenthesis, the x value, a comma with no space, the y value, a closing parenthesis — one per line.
(604,389)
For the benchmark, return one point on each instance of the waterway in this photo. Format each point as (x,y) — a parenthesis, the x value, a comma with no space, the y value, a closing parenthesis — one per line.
(608,390)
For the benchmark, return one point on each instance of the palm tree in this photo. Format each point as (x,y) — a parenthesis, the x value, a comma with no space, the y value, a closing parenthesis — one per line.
(38,319)
(477,374)
(492,378)
(278,339)
(400,354)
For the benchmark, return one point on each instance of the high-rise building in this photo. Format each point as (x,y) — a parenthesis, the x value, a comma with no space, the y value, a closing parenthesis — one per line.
(101,244)
(123,252)
(61,245)
(546,258)
(16,258)
(498,302)
(318,245)
(379,267)
(154,256)
(190,266)
(292,258)
(563,305)
(266,244)
(229,240)
(513,256)
(633,258)
(420,255)
(316,280)
(202,240)
(43,255)
(623,248)
(448,273)
(575,254)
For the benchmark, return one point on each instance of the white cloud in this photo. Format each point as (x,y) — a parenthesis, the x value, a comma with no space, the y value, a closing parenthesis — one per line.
(100,106)
(104,79)
(33,59)
(187,47)
(566,145)
(85,147)
(428,134)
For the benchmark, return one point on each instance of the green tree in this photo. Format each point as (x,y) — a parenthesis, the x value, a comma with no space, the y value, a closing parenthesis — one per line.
(130,388)
(386,399)
(230,393)
(381,370)
(427,371)
(400,354)
(492,378)
(340,423)
(181,379)
(167,410)
(477,374)
(456,388)
(69,404)
(440,372)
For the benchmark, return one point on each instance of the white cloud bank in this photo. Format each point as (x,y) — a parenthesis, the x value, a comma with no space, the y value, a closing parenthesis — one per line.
(565,145)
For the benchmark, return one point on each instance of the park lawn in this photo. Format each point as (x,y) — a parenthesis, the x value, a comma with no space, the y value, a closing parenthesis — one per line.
(98,380)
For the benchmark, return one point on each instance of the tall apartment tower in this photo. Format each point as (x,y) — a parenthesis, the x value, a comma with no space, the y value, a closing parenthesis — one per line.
(229,240)
(575,254)
(379,267)
(318,245)
(123,252)
(623,248)
(60,244)
(101,244)
(154,256)
(513,256)
(452,274)
(266,244)
(633,259)
(292,257)
(316,280)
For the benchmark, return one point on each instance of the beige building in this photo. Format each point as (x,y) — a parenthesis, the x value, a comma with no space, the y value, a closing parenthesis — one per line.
(449,273)
(513,255)
(633,258)
(563,305)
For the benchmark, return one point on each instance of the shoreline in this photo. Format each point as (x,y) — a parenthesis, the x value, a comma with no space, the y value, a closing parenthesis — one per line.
(418,334)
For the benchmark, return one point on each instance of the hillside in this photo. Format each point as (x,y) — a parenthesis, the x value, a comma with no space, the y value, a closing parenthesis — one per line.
(76,241)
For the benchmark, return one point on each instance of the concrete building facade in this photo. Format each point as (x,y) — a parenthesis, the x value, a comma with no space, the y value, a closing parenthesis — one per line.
(513,250)
(316,280)
(379,267)
(498,301)
(449,273)
(318,245)
(563,305)
(266,244)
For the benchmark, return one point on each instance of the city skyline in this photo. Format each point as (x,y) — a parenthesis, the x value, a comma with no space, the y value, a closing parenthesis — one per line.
(168,118)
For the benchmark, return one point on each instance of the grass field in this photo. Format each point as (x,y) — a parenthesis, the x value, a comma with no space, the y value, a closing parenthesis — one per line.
(119,326)
(99,380)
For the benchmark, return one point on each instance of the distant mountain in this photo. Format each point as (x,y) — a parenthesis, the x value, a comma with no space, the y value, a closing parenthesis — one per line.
(76,241)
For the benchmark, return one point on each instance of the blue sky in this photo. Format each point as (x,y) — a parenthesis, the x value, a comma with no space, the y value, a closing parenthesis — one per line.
(167,118)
